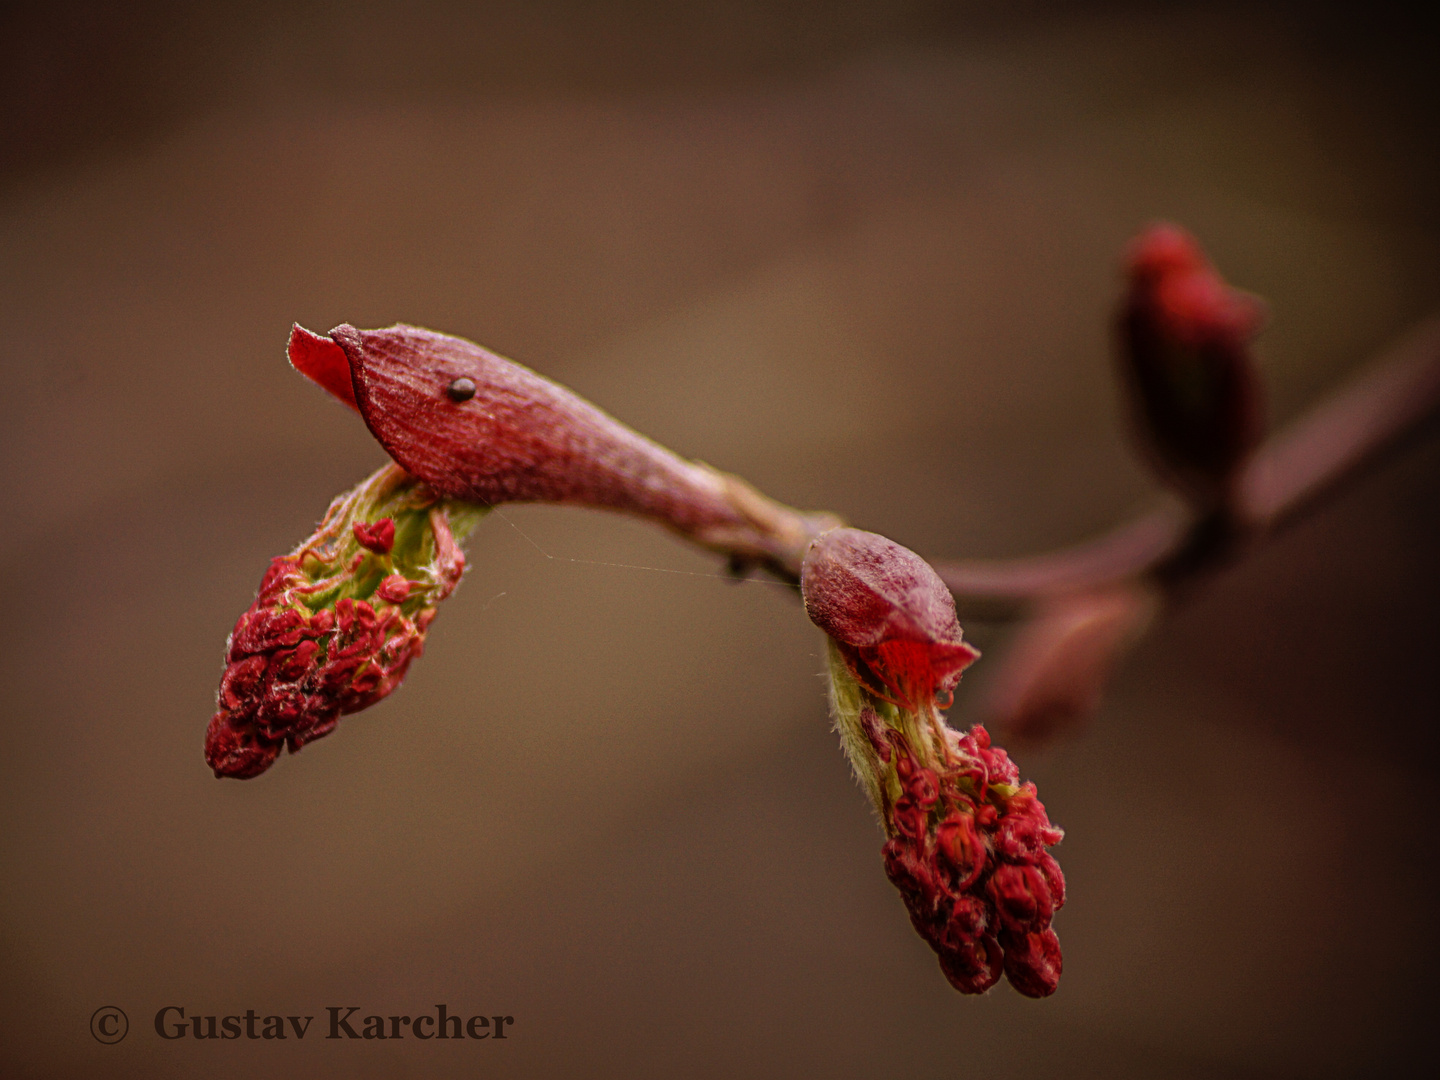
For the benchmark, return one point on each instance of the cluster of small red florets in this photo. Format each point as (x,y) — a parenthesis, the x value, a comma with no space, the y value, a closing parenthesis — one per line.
(292,672)
(967,852)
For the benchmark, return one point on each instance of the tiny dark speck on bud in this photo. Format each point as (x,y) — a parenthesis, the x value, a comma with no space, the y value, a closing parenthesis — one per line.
(462,389)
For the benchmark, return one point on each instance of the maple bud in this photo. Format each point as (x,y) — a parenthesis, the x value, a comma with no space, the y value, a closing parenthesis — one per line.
(888,612)
(476,426)
(1184,350)
(337,622)
(965,839)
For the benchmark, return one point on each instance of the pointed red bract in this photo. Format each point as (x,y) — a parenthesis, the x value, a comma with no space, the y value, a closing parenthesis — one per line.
(323,362)
(475,426)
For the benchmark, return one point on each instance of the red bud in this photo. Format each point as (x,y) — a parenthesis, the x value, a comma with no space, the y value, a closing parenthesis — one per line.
(1032,961)
(479,427)
(890,614)
(1184,338)
(514,437)
(379,537)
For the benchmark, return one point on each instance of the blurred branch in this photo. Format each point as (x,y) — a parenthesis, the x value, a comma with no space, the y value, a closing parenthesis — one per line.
(1081,608)
(1377,413)
(475,429)
(1338,441)
(1000,588)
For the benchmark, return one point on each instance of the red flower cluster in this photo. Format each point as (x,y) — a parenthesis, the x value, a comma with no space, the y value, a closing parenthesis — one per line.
(965,839)
(305,653)
(967,852)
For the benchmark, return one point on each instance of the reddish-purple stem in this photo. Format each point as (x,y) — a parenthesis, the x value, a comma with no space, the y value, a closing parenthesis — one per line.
(1333,444)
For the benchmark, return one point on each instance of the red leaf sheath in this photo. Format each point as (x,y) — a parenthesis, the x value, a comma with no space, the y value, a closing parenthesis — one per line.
(479,427)
(518,437)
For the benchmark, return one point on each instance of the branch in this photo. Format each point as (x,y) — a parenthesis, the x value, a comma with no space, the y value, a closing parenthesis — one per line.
(1346,436)
(1084,606)
(336,623)
(1375,414)
(1000,589)
(476,426)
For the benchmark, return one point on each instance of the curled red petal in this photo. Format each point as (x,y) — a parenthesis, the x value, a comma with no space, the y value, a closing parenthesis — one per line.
(960,845)
(235,749)
(394,588)
(1021,897)
(1025,828)
(910,871)
(908,819)
(1054,879)
(973,966)
(263,630)
(292,664)
(378,537)
(970,919)
(923,785)
(240,685)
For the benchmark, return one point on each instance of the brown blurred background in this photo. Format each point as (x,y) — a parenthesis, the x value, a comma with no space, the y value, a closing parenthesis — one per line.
(861,254)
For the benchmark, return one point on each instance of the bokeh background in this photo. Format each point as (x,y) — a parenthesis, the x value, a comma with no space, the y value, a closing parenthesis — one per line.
(862,254)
